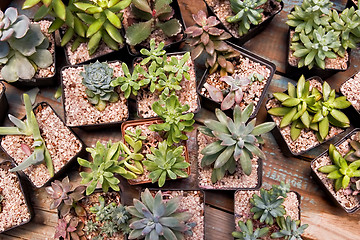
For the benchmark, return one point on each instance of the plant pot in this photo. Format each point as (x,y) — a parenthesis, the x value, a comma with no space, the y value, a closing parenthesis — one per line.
(19,199)
(351,3)
(339,198)
(79,112)
(4,4)
(282,136)
(175,46)
(254,29)
(211,105)
(187,95)
(294,72)
(345,89)
(242,208)
(237,181)
(50,72)
(4,106)
(52,128)
(144,123)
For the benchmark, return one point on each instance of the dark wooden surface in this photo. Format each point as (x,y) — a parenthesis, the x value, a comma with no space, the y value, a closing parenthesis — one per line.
(326,220)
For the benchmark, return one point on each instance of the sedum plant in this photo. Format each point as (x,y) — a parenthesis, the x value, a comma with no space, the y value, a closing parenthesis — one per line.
(246,12)
(23,47)
(205,38)
(248,233)
(289,229)
(154,218)
(166,162)
(97,79)
(340,171)
(235,142)
(175,122)
(354,153)
(136,136)
(30,127)
(152,15)
(154,54)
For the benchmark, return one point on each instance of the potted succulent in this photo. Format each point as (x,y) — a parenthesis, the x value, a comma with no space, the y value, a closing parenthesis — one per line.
(350,89)
(184,208)
(89,100)
(40,144)
(244,19)
(27,50)
(243,77)
(89,29)
(306,115)
(3,102)
(337,171)
(321,37)
(265,213)
(15,209)
(156,19)
(229,153)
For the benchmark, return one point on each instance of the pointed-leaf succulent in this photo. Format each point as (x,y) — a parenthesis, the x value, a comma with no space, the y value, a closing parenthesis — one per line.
(248,233)
(354,153)
(289,229)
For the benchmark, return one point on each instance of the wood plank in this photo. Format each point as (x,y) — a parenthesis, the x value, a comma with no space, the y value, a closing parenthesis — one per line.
(218,225)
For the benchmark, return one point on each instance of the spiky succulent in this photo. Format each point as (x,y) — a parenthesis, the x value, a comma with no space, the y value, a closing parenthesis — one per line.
(289,229)
(248,233)
(90,227)
(281,190)
(235,142)
(65,197)
(30,127)
(150,17)
(166,162)
(178,68)
(246,12)
(153,75)
(103,167)
(205,38)
(175,122)
(354,153)
(136,136)
(154,218)
(102,212)
(69,228)
(155,54)
(97,78)
(23,47)
(341,171)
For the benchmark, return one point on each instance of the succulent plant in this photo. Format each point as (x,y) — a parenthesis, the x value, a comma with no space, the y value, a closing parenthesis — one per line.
(102,212)
(354,153)
(103,167)
(178,68)
(289,229)
(248,233)
(90,227)
(30,127)
(153,75)
(131,159)
(281,190)
(69,228)
(97,78)
(152,15)
(136,136)
(155,54)
(154,218)
(65,197)
(129,83)
(246,12)
(235,142)
(23,47)
(166,162)
(175,122)
(340,171)
(205,38)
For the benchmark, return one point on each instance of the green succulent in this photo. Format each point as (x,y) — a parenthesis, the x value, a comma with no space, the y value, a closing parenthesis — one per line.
(12,25)
(120,216)
(158,15)
(166,162)
(109,229)
(178,68)
(235,141)
(175,122)
(136,136)
(246,12)
(131,159)
(248,233)
(97,79)
(281,190)
(205,38)
(155,54)
(30,127)
(155,218)
(129,83)
(91,227)
(289,229)
(354,153)
(340,171)
(103,167)
(153,75)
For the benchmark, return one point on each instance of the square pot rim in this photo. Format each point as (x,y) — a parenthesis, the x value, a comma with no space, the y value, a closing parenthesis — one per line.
(3,88)
(341,92)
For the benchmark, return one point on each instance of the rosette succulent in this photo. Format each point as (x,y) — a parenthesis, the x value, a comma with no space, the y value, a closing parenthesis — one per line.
(354,153)
(97,79)
(289,229)
(248,233)
(69,228)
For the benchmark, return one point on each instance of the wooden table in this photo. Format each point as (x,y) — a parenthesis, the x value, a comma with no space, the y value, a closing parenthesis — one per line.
(326,220)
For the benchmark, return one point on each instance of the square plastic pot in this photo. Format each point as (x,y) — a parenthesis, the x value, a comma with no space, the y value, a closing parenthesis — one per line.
(353,114)
(4,106)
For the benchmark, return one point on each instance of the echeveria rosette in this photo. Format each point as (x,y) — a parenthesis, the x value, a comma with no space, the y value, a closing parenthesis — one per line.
(247,231)
(97,79)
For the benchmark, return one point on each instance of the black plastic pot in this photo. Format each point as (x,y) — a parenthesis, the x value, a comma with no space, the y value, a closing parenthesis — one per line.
(25,192)
(4,4)
(317,178)
(172,47)
(89,126)
(170,54)
(351,3)
(254,29)
(67,166)
(211,105)
(4,106)
(351,111)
